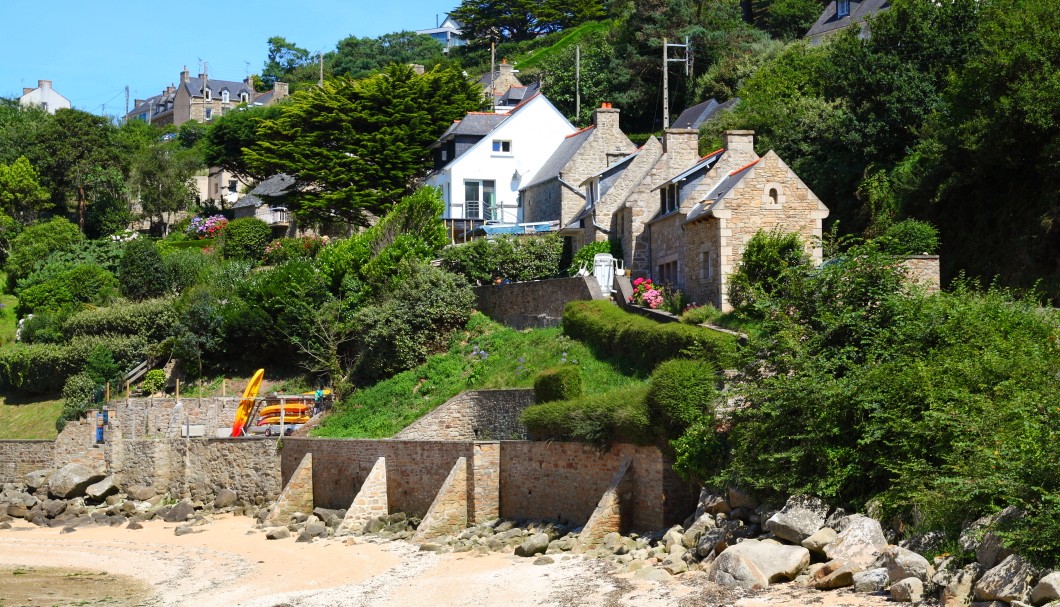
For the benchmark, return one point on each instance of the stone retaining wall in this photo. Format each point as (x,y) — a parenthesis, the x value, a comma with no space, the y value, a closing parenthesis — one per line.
(923,270)
(539,303)
(474,415)
(20,457)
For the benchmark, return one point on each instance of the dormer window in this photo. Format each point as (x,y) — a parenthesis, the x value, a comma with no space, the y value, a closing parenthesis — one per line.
(224,96)
(244,97)
(842,8)
(206,93)
(668,198)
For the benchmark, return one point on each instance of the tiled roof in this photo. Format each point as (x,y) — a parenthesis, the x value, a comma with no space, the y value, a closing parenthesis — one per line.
(706,162)
(559,159)
(277,185)
(720,191)
(194,88)
(829,21)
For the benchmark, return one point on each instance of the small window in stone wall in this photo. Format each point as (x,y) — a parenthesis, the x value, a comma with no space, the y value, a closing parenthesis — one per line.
(705,270)
(773,196)
(668,274)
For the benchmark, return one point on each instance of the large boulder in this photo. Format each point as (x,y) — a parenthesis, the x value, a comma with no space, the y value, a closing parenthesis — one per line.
(690,539)
(776,561)
(225,498)
(37,479)
(179,513)
(99,491)
(733,570)
(1047,589)
(873,580)
(834,574)
(909,590)
(957,586)
(72,480)
(860,542)
(902,564)
(1009,581)
(816,542)
(800,518)
(140,493)
(537,544)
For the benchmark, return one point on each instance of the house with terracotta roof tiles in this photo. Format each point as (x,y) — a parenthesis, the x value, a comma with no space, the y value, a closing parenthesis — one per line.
(483,160)
(555,192)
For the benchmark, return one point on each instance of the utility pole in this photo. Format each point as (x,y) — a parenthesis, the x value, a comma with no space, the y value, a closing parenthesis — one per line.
(687,60)
(320,83)
(577,81)
(126,100)
(493,60)
(205,67)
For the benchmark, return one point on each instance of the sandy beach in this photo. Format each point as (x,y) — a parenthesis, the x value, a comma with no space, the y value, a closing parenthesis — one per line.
(231,563)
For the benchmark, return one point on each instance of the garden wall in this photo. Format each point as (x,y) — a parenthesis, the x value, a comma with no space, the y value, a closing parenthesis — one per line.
(20,457)
(525,305)
(923,270)
(474,415)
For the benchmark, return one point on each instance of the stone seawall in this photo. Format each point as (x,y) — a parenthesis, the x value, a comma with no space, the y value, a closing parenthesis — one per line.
(525,305)
(19,457)
(474,415)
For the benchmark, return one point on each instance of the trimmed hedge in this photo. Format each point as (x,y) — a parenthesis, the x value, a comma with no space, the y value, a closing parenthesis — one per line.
(44,368)
(681,393)
(616,416)
(245,238)
(151,319)
(564,383)
(641,344)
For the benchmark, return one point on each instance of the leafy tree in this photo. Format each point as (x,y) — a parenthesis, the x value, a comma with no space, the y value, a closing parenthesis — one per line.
(109,212)
(791,19)
(515,20)
(30,248)
(355,148)
(283,58)
(226,138)
(161,180)
(599,64)
(360,57)
(21,194)
(20,127)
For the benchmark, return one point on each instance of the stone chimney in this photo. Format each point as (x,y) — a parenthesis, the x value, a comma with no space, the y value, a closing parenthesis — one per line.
(605,118)
(505,69)
(250,84)
(280,90)
(682,147)
(741,143)
(184,75)
(44,84)
(138,102)
(170,89)
(418,69)
(26,90)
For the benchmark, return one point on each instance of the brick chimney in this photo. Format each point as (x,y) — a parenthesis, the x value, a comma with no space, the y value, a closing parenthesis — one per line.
(739,147)
(26,90)
(682,147)
(280,90)
(44,84)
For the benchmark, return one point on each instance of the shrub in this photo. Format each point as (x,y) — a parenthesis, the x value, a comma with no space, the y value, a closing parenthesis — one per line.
(44,327)
(42,368)
(79,394)
(245,238)
(36,242)
(616,416)
(283,250)
(105,253)
(767,259)
(415,320)
(77,285)
(639,343)
(521,259)
(150,319)
(186,268)
(154,381)
(698,315)
(682,392)
(206,227)
(910,237)
(101,367)
(564,383)
(141,272)
(584,256)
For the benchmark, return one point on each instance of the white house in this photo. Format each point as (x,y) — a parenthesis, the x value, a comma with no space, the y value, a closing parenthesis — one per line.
(448,33)
(45,97)
(483,160)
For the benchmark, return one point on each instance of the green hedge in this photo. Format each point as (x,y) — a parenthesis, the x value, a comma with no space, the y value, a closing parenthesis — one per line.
(508,258)
(44,368)
(151,319)
(82,284)
(564,383)
(639,343)
(681,393)
(616,416)
(245,238)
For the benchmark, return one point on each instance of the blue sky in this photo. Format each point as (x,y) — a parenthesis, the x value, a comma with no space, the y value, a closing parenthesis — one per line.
(91,50)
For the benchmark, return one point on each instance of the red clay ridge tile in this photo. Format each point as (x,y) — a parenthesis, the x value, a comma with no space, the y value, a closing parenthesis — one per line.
(745,167)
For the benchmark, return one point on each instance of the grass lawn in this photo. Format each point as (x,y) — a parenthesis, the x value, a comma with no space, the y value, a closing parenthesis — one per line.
(8,322)
(30,420)
(571,38)
(486,356)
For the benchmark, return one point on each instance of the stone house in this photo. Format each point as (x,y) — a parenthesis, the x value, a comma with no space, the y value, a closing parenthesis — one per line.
(264,203)
(483,160)
(840,15)
(555,193)
(683,220)
(503,89)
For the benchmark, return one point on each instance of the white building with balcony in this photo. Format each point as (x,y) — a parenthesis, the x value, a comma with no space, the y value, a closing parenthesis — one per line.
(263,202)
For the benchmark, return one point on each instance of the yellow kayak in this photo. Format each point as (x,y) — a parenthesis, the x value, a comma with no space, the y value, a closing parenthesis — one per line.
(288,419)
(291,409)
(245,405)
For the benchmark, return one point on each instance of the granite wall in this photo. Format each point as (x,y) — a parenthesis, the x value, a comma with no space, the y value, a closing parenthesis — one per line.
(474,415)
(525,305)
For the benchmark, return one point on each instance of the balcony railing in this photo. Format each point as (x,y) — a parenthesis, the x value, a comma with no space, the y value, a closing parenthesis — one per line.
(278,216)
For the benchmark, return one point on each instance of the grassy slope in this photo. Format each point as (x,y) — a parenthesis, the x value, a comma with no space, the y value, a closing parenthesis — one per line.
(572,37)
(512,360)
(29,421)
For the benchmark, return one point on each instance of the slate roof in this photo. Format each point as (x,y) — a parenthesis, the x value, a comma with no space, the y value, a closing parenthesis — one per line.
(516,94)
(719,192)
(696,115)
(859,11)
(706,162)
(277,185)
(194,88)
(474,124)
(559,159)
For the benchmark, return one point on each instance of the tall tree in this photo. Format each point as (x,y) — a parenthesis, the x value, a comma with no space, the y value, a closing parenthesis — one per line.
(357,147)
(226,137)
(282,59)
(514,20)
(358,57)
(21,194)
(161,180)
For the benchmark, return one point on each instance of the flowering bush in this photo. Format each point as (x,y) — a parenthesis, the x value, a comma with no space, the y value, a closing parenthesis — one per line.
(646,294)
(207,227)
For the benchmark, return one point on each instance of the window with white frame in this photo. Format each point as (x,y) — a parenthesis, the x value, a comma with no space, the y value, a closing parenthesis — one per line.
(502,146)
(244,97)
(206,93)
(480,199)
(842,8)
(592,193)
(224,96)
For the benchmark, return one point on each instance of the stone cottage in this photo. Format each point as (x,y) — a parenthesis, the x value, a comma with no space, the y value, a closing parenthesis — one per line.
(555,192)
(684,219)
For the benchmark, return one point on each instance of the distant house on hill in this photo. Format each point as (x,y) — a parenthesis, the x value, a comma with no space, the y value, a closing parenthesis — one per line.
(482,160)
(842,14)
(264,203)
(448,32)
(44,97)
(201,99)
(695,116)
(504,90)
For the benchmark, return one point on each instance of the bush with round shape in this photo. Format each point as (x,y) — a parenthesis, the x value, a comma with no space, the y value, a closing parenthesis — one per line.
(75,286)
(141,272)
(563,383)
(79,393)
(681,393)
(910,237)
(36,242)
(245,238)
(154,381)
